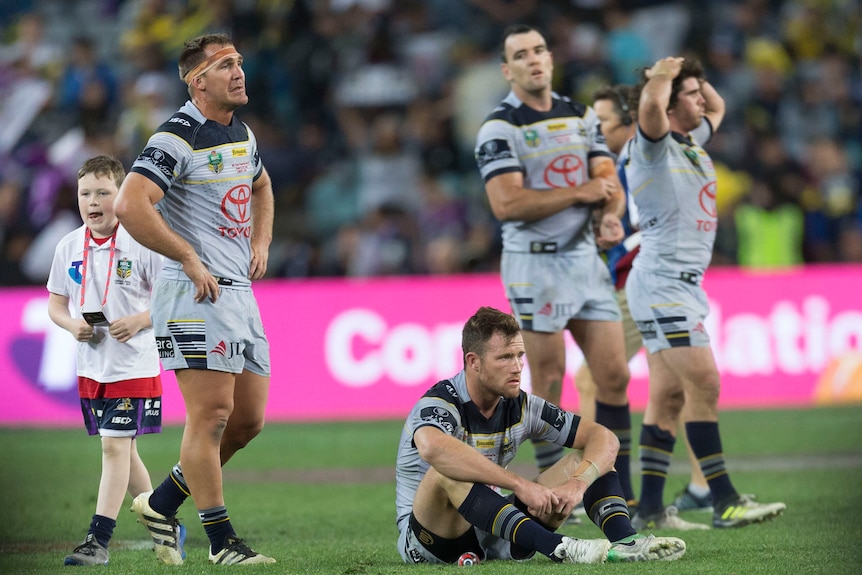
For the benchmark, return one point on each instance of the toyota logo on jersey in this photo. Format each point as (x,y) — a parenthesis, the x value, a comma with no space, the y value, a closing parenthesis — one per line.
(565,171)
(707,199)
(235,204)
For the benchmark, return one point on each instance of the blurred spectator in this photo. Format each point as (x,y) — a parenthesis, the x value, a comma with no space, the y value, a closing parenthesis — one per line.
(831,202)
(29,65)
(83,70)
(36,259)
(148,104)
(769,229)
(388,165)
(31,52)
(627,51)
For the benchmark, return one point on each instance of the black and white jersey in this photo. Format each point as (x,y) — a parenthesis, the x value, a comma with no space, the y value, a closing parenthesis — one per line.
(206,171)
(448,407)
(552,150)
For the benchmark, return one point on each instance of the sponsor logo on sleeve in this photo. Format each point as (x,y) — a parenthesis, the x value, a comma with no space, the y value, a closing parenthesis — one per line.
(439,417)
(491,151)
(553,416)
(160,160)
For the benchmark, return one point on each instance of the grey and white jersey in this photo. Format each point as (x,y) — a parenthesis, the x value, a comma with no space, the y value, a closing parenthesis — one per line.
(448,407)
(552,150)
(206,171)
(673,183)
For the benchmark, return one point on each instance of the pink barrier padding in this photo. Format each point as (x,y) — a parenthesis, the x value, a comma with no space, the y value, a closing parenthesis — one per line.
(360,349)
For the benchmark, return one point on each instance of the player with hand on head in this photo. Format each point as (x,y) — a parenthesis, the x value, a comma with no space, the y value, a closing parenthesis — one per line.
(618,126)
(673,181)
(453,458)
(215,197)
(546,169)
(107,277)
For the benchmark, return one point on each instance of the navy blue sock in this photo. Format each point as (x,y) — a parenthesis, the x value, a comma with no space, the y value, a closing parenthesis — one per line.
(172,492)
(546,454)
(102,529)
(705,442)
(618,418)
(217,525)
(491,512)
(606,507)
(656,448)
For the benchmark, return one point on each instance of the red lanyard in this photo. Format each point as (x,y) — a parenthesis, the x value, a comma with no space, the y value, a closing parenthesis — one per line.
(84,266)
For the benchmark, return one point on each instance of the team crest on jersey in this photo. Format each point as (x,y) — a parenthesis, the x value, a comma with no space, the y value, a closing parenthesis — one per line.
(124,268)
(691,155)
(532,138)
(125,404)
(215,162)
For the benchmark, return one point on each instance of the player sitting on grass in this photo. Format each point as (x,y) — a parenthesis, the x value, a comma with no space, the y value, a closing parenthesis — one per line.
(452,458)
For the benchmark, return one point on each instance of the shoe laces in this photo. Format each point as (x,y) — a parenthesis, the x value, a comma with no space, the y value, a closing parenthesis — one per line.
(237,545)
(578,549)
(88,547)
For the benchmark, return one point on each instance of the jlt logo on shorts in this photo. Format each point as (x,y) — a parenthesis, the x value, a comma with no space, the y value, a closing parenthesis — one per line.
(229,350)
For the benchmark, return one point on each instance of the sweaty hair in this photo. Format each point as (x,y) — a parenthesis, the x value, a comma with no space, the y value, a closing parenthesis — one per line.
(513,30)
(482,326)
(193,50)
(690,69)
(101,166)
(620,96)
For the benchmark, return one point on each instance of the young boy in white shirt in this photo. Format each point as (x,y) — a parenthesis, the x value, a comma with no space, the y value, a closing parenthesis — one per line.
(100,284)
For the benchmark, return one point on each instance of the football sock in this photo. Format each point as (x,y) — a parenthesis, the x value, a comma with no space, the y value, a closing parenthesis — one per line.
(217,525)
(705,442)
(172,492)
(547,454)
(491,512)
(102,528)
(698,490)
(618,419)
(606,507)
(656,447)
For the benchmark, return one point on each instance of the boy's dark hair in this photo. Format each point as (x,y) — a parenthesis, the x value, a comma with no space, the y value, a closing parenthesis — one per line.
(690,69)
(103,166)
(482,326)
(513,30)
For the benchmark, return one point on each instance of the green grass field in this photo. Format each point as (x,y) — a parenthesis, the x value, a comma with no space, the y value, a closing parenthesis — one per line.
(320,498)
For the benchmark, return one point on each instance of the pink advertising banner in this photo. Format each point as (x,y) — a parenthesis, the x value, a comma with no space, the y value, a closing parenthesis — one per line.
(361,349)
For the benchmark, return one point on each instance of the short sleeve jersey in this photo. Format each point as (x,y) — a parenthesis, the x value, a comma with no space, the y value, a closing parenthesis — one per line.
(552,150)
(206,171)
(448,407)
(673,183)
(130,281)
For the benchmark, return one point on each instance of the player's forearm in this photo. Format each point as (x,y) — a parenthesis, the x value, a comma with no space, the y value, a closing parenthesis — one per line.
(151,231)
(528,205)
(262,212)
(465,464)
(655,96)
(601,448)
(714,106)
(459,461)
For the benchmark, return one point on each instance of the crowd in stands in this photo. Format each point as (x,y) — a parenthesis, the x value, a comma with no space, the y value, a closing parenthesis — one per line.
(366,112)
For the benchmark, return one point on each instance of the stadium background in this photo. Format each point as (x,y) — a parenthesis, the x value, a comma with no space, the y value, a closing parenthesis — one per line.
(366,112)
